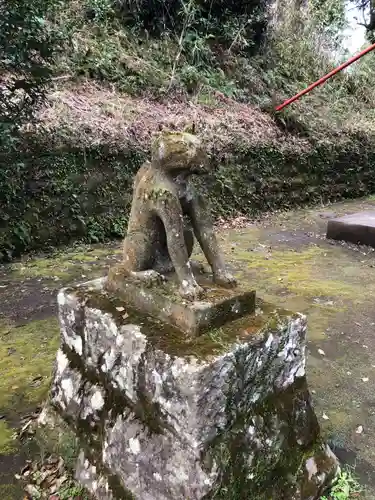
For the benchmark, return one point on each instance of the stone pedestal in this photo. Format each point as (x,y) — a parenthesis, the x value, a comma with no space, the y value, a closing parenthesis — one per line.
(166,416)
(163,302)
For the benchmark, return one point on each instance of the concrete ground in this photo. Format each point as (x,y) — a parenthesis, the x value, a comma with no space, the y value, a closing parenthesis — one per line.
(286,258)
(290,263)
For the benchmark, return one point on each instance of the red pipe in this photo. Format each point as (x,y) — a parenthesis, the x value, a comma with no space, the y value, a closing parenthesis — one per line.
(325,78)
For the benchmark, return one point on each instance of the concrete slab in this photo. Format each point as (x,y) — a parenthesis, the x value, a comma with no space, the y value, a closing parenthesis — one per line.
(358,228)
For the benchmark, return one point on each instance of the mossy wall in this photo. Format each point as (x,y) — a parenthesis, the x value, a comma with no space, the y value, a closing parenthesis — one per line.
(268,177)
(52,196)
(48,198)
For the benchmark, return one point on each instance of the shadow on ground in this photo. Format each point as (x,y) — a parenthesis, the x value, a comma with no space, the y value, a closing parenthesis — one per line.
(290,263)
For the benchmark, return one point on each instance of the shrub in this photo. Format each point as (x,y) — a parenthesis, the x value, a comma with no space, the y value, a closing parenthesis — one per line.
(27,47)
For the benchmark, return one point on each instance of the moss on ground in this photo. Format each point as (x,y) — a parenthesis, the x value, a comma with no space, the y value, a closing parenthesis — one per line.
(27,352)
(26,359)
(8,444)
(301,272)
(289,263)
(64,265)
(7,491)
(318,280)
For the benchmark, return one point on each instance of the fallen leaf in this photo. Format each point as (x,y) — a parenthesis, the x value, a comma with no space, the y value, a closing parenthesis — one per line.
(32,490)
(24,428)
(365,379)
(320,351)
(61,480)
(120,309)
(359,429)
(36,381)
(325,417)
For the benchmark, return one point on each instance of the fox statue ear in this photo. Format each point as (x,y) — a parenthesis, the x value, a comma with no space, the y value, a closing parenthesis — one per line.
(190,128)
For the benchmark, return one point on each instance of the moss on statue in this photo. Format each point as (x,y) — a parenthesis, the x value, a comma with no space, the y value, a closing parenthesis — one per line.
(166,214)
(248,328)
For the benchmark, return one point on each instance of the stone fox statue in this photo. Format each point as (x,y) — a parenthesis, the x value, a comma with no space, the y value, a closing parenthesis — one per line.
(166,211)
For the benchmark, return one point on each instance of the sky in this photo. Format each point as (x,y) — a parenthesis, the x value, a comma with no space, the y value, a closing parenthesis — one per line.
(354,34)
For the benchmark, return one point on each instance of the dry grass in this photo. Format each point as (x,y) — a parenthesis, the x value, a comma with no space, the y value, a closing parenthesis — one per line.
(95,115)
(88,114)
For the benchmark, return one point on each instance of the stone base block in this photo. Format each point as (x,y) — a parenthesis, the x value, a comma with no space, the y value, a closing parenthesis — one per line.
(163,301)
(163,416)
(356,228)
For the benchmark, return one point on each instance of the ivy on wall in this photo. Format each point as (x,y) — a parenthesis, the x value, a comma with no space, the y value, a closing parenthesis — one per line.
(66,195)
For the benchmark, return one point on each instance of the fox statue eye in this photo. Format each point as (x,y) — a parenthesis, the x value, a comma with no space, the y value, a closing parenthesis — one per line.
(190,128)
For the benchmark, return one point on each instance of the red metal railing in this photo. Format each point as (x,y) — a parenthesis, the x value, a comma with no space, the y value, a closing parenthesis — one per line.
(325,78)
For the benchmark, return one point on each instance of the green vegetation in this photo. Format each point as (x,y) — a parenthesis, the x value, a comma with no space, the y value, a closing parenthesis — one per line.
(346,487)
(126,68)
(27,48)
(72,490)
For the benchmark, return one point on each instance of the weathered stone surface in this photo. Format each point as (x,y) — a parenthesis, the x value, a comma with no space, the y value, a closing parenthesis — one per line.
(161,416)
(167,213)
(356,228)
(163,302)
